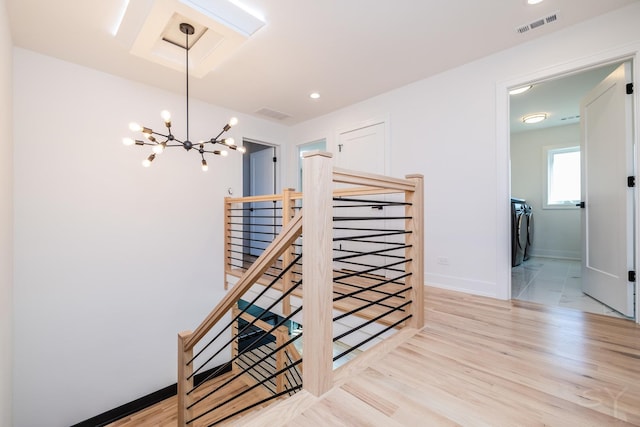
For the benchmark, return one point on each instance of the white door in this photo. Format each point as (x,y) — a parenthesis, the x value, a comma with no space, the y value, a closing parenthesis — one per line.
(607,219)
(361,149)
(261,217)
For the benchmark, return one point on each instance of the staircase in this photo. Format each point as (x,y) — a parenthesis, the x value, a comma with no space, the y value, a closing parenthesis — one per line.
(336,280)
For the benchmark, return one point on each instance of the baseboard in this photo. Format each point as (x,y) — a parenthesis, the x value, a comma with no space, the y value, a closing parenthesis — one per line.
(461,284)
(144,402)
(549,253)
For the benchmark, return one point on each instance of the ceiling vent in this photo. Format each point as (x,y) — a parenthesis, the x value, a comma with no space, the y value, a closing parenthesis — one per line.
(273,114)
(150,29)
(537,23)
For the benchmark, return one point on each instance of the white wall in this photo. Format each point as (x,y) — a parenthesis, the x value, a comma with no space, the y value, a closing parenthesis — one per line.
(556,231)
(6,218)
(445,127)
(112,260)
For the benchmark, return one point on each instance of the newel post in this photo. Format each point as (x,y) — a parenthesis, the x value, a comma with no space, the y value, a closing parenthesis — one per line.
(415,212)
(282,335)
(185,383)
(287,256)
(317,271)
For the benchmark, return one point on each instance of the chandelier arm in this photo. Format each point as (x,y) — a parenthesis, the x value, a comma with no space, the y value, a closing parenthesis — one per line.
(219,135)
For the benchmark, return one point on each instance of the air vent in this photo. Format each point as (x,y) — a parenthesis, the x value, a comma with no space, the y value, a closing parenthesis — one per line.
(273,114)
(537,23)
(570,118)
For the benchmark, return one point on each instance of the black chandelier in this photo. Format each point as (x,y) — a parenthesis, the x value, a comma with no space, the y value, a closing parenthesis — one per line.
(159,141)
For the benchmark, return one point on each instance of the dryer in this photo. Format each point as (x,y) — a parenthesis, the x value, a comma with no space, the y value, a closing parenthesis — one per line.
(518,231)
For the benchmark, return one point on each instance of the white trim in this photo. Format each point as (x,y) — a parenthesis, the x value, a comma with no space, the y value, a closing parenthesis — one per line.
(629,51)
(546,150)
(298,160)
(459,284)
(279,163)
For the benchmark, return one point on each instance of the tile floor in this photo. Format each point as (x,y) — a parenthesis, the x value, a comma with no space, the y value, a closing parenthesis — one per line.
(554,282)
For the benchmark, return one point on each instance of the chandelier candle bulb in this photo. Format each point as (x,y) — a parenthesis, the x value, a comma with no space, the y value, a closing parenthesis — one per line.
(166,116)
(147,162)
(158,148)
(128,141)
(204,165)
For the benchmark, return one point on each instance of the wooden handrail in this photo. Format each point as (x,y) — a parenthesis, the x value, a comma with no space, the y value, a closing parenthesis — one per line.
(346,176)
(288,235)
(263,198)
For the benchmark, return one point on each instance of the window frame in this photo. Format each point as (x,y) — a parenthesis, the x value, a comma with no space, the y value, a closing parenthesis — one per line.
(547,160)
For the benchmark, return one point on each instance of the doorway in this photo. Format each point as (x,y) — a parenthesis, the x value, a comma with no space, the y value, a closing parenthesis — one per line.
(259,177)
(540,155)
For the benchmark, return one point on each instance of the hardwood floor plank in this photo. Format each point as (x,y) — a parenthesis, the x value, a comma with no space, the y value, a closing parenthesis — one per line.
(478,362)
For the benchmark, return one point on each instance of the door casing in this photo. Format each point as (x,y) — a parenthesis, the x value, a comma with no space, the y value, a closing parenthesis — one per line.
(630,52)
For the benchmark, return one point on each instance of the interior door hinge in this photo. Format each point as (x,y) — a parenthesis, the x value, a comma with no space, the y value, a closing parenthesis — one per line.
(631,181)
(339,148)
(632,276)
(275,159)
(629,88)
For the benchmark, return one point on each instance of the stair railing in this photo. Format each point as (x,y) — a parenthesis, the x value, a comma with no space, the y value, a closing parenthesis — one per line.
(219,342)
(389,295)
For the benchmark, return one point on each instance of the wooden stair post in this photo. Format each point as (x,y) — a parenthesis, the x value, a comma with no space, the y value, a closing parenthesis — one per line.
(415,252)
(317,271)
(185,383)
(287,256)
(282,335)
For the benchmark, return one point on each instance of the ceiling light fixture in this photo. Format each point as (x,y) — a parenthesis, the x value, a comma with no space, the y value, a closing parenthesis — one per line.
(314,95)
(169,140)
(534,118)
(520,90)
(534,1)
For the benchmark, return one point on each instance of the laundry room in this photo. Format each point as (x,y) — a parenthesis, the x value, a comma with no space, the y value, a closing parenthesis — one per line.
(550,231)
(555,180)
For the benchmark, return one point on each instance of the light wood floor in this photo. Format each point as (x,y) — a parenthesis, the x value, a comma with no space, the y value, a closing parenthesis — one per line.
(164,414)
(485,362)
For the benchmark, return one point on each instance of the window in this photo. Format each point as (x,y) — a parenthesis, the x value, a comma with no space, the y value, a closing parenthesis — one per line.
(562,186)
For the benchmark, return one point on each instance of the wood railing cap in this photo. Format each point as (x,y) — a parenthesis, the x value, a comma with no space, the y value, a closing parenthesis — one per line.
(317,153)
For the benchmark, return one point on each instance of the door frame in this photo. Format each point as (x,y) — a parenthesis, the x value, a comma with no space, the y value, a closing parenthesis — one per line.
(628,52)
(278,168)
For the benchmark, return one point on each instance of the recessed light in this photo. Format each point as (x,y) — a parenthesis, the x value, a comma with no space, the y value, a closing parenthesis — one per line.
(314,95)
(520,90)
(534,118)
(534,1)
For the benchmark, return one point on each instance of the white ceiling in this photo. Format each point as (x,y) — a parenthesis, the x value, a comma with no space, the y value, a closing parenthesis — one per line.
(558,98)
(348,50)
